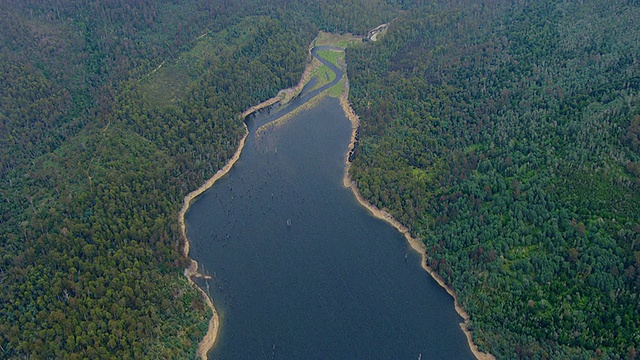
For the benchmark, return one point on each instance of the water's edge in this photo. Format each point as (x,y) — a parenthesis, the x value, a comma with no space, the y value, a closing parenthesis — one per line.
(283,96)
(416,244)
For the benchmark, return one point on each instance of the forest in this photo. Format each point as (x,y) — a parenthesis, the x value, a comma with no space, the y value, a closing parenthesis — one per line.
(110,113)
(505,136)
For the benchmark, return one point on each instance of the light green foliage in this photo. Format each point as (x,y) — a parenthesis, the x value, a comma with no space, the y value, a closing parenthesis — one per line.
(325,76)
(336,89)
(334,57)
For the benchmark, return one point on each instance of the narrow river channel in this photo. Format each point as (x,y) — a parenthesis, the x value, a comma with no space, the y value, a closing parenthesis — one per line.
(300,270)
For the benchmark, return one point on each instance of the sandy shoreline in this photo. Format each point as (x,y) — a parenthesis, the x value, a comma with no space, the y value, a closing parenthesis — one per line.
(214,324)
(207,343)
(416,244)
(209,339)
(286,95)
(309,104)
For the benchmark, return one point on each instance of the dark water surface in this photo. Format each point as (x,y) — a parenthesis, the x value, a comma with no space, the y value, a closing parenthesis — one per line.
(334,284)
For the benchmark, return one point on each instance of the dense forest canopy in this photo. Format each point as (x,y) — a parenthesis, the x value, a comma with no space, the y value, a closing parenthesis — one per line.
(110,113)
(505,135)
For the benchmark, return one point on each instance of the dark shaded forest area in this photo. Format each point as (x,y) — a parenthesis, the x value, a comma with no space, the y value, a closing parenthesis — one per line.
(111,112)
(505,135)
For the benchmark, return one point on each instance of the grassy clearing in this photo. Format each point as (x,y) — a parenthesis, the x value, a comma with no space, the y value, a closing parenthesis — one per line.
(334,57)
(336,89)
(323,76)
(343,41)
(172,80)
(165,86)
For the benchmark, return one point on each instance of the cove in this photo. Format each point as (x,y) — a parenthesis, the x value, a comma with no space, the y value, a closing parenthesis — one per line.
(299,269)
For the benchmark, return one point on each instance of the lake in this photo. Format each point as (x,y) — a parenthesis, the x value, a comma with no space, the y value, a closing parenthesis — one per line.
(300,269)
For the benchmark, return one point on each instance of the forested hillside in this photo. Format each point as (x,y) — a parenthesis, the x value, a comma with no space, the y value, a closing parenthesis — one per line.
(506,135)
(110,112)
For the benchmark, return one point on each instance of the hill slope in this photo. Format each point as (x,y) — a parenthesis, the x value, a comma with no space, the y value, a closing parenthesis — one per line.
(110,113)
(506,137)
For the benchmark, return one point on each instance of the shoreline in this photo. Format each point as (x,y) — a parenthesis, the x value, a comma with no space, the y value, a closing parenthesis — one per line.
(285,95)
(311,66)
(211,336)
(309,104)
(416,244)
